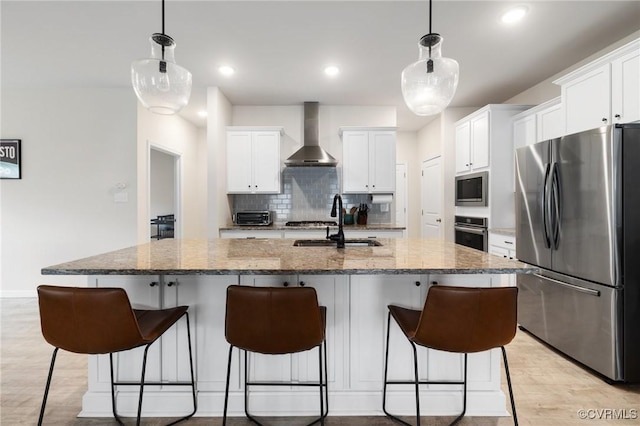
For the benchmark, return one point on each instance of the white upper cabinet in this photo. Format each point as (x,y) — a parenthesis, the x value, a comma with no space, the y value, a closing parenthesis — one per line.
(472,143)
(604,91)
(540,123)
(253,160)
(368,160)
(484,137)
(625,87)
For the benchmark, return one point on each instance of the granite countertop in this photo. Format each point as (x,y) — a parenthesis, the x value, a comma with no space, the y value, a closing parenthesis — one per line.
(279,257)
(504,231)
(283,227)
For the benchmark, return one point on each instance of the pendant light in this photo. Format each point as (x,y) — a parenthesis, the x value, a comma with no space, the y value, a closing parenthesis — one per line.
(162,86)
(429,84)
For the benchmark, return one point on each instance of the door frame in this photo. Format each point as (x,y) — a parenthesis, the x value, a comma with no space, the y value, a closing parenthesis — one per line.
(405,189)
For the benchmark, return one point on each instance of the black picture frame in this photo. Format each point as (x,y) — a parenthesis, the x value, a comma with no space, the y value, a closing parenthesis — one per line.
(10,159)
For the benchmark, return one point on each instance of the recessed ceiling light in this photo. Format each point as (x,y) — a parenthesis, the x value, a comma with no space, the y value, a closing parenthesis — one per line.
(226,70)
(202,114)
(331,70)
(514,15)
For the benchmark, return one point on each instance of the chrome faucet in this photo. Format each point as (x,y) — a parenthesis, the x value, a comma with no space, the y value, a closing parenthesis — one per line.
(339,237)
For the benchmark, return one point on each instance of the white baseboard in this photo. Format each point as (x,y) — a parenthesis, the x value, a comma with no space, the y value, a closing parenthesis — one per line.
(15,294)
(292,403)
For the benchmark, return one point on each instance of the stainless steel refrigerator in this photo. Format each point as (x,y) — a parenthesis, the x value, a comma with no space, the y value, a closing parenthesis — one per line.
(578,219)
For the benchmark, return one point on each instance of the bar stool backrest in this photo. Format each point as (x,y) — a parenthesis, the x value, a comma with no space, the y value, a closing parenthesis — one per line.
(466,320)
(88,320)
(273,320)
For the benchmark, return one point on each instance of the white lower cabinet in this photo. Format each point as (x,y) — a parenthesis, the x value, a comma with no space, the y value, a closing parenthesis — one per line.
(370,296)
(503,246)
(356,336)
(167,359)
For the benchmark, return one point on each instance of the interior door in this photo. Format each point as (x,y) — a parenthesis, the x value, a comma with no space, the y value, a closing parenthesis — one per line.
(431,185)
(401,194)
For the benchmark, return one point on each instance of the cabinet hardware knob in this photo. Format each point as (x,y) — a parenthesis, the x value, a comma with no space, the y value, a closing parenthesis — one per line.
(418,283)
(434,282)
(604,120)
(438,220)
(617,115)
(172,283)
(286,283)
(153,283)
(467,164)
(248,186)
(302,284)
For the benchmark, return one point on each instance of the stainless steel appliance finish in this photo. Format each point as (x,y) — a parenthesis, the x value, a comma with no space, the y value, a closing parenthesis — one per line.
(472,232)
(472,189)
(253,218)
(577,200)
(311,153)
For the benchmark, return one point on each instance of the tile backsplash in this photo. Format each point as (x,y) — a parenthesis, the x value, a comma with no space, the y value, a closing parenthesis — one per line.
(308,195)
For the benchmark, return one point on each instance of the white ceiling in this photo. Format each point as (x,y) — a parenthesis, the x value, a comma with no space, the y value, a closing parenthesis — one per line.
(279,49)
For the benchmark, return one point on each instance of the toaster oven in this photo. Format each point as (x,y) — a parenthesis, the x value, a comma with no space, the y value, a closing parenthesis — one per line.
(253,218)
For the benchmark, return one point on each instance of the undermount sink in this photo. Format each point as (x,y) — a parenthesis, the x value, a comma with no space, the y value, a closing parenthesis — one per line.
(329,243)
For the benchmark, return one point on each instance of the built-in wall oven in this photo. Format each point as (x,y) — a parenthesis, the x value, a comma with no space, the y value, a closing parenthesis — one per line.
(472,232)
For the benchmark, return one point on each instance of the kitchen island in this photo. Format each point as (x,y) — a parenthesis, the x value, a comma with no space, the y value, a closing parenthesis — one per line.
(356,284)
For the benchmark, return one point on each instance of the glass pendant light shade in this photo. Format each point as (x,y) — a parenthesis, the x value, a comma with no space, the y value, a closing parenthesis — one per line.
(161,85)
(429,84)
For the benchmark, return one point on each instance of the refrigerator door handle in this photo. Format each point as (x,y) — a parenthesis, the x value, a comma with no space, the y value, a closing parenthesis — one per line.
(555,197)
(589,291)
(546,208)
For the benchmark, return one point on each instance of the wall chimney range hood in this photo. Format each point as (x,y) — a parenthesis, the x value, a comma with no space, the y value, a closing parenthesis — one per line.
(311,154)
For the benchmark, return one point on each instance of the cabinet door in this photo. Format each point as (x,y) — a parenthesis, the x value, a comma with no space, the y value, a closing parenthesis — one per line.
(463,141)
(382,162)
(355,161)
(549,123)
(144,293)
(480,141)
(266,162)
(524,131)
(625,86)
(333,293)
(370,296)
(269,368)
(586,100)
(239,162)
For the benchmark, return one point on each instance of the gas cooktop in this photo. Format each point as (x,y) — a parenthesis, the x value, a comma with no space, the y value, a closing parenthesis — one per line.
(312,223)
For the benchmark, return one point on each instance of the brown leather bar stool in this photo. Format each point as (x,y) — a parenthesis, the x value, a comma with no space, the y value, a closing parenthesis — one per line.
(456,319)
(276,321)
(101,321)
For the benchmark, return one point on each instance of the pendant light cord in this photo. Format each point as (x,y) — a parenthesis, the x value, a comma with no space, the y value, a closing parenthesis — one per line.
(430,19)
(163,28)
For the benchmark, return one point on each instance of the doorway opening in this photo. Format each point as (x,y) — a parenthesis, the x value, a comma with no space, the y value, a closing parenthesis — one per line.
(164,193)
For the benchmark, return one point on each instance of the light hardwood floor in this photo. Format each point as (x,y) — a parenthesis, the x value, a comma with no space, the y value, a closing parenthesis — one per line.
(549,389)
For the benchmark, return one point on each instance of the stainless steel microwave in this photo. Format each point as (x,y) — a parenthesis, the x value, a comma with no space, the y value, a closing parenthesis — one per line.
(472,189)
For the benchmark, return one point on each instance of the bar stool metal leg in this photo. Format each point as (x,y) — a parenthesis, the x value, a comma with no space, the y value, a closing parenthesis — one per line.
(506,369)
(46,388)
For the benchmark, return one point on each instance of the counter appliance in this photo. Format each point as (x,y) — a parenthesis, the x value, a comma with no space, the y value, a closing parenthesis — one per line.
(253,218)
(577,201)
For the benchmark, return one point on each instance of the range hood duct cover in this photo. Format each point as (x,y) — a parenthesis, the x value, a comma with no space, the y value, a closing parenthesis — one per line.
(311,154)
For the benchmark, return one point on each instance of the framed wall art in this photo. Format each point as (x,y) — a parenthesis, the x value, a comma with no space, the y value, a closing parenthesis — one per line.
(10,159)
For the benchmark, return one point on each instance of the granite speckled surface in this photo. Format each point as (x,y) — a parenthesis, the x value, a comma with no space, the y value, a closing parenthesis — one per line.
(283,227)
(279,256)
(504,231)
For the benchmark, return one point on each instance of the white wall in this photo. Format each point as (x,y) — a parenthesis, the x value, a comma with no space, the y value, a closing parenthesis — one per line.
(77,145)
(407,146)
(218,118)
(177,136)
